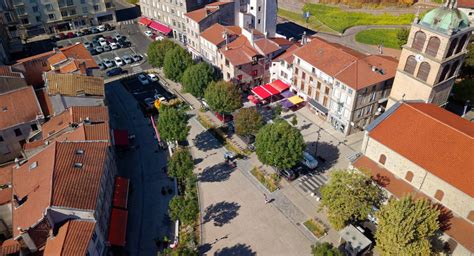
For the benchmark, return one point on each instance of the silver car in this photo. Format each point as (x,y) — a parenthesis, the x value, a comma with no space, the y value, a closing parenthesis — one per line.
(108,63)
(127,59)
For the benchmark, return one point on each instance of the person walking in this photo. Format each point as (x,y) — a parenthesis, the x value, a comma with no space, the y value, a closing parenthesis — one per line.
(266,198)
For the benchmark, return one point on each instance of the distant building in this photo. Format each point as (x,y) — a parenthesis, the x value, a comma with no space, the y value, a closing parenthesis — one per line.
(467,6)
(341,85)
(432,57)
(423,150)
(214,38)
(20,118)
(257,14)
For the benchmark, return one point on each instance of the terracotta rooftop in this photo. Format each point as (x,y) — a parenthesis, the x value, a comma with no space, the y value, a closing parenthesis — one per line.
(72,239)
(74,84)
(288,54)
(200,14)
(5,196)
(433,138)
(73,66)
(214,34)
(465,3)
(458,228)
(74,52)
(266,46)
(6,174)
(239,51)
(18,106)
(65,174)
(10,247)
(7,71)
(347,65)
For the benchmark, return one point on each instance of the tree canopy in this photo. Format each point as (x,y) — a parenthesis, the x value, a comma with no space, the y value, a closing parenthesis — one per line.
(176,61)
(173,124)
(183,208)
(157,51)
(197,77)
(181,164)
(325,249)
(402,36)
(406,227)
(248,121)
(222,97)
(280,145)
(350,196)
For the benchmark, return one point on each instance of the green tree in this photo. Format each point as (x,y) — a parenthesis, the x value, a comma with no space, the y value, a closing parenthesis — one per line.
(197,77)
(294,120)
(402,36)
(350,196)
(279,144)
(173,124)
(248,121)
(277,111)
(467,69)
(406,227)
(176,61)
(325,249)
(181,164)
(183,208)
(222,97)
(157,51)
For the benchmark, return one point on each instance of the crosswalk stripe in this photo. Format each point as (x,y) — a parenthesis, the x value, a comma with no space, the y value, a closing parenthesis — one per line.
(309,185)
(303,188)
(314,182)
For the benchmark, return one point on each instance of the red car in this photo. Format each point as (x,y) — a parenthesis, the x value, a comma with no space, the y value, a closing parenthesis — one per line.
(109,39)
(61,35)
(228,117)
(70,35)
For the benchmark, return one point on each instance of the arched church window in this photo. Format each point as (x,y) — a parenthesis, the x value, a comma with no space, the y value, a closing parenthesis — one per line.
(410,65)
(423,71)
(451,48)
(433,46)
(419,40)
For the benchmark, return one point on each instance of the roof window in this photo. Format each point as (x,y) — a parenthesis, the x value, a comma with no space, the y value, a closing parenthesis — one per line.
(80,152)
(78,165)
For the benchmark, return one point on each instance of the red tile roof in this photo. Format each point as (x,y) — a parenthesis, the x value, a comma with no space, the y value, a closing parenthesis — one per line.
(9,247)
(7,71)
(458,228)
(200,14)
(5,196)
(239,51)
(214,34)
(436,140)
(72,239)
(465,3)
(6,174)
(288,54)
(74,52)
(266,46)
(18,106)
(347,65)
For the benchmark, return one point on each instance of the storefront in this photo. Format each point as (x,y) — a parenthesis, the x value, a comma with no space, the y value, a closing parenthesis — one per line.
(317,108)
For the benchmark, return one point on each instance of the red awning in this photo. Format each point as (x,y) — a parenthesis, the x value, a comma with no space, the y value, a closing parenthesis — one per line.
(271,90)
(280,85)
(120,138)
(118,227)
(160,27)
(144,21)
(261,92)
(121,192)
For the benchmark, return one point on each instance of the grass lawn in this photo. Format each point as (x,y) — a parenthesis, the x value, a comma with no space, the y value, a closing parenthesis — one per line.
(313,23)
(315,227)
(376,36)
(340,20)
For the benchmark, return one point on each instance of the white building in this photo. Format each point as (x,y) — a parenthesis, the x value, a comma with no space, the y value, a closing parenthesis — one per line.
(257,14)
(467,6)
(282,66)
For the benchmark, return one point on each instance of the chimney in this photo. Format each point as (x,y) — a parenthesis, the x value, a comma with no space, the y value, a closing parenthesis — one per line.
(304,39)
(56,50)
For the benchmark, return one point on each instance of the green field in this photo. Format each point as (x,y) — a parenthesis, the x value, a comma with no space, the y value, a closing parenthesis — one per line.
(388,37)
(340,20)
(313,23)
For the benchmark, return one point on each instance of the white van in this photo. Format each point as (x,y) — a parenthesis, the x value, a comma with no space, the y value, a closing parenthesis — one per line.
(309,161)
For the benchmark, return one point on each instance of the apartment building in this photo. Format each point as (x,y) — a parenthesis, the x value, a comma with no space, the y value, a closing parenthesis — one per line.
(282,66)
(171,13)
(44,16)
(345,87)
(214,38)
(257,14)
(422,150)
(199,20)
(10,36)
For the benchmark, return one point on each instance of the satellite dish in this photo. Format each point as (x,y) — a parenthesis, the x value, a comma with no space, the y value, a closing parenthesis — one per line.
(419,58)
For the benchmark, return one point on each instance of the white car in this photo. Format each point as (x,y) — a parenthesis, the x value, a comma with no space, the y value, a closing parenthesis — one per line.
(101,28)
(108,63)
(148,33)
(114,46)
(142,78)
(159,38)
(119,62)
(152,77)
(102,41)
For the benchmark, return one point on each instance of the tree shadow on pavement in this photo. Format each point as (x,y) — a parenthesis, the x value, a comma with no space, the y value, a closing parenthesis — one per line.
(238,249)
(221,213)
(205,141)
(216,173)
(326,153)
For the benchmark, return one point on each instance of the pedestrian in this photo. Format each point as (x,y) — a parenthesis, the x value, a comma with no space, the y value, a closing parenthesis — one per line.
(266,198)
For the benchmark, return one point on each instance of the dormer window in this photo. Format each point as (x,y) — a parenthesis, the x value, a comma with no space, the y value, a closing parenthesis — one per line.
(33,165)
(78,165)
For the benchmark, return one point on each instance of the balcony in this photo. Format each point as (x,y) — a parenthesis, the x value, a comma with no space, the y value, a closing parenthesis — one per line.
(18,3)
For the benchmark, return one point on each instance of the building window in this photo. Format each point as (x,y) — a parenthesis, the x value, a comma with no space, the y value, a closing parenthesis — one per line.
(409,176)
(461,44)
(439,195)
(303,75)
(382,159)
(38,18)
(25,21)
(410,65)
(302,86)
(51,16)
(49,7)
(259,8)
(228,75)
(444,73)
(84,9)
(35,8)
(451,48)
(433,46)
(310,91)
(1,138)
(316,96)
(34,127)
(227,63)
(296,71)
(419,40)
(325,101)
(423,71)
(453,69)
(318,85)
(96,7)
(326,90)
(18,132)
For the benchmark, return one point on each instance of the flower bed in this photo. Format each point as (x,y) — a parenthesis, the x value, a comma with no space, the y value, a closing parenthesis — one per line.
(270,181)
(316,227)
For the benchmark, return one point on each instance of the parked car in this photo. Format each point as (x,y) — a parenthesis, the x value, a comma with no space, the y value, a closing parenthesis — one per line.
(142,78)
(204,104)
(109,39)
(78,33)
(102,41)
(70,35)
(150,103)
(94,30)
(137,57)
(53,38)
(227,117)
(116,71)
(97,37)
(148,33)
(152,77)
(61,36)
(288,174)
(127,59)
(101,28)
(107,48)
(159,97)
(159,38)
(88,45)
(118,61)
(309,161)
(95,44)
(229,155)
(101,66)
(108,63)
(114,46)
(124,44)
(86,31)
(93,51)
(99,49)
(109,27)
